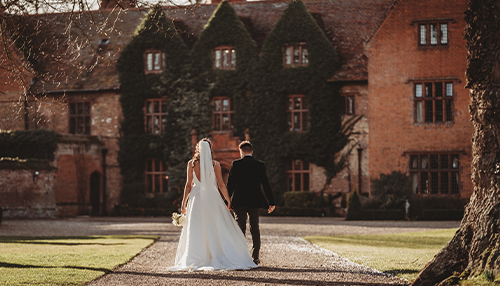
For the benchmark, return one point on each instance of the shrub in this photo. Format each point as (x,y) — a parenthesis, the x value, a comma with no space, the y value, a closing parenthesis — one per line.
(392,190)
(343,201)
(353,206)
(36,144)
(419,204)
(299,199)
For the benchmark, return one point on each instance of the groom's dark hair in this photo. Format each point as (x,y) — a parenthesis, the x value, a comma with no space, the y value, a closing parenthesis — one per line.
(246,146)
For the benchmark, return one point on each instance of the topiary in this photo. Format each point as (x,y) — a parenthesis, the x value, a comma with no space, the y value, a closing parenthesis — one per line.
(353,206)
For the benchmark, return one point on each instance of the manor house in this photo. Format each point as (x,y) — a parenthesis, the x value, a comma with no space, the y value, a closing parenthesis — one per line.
(396,68)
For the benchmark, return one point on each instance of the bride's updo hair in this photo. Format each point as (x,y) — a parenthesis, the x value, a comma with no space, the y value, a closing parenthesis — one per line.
(196,156)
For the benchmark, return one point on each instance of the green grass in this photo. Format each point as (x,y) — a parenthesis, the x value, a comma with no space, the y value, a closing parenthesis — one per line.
(402,254)
(65,260)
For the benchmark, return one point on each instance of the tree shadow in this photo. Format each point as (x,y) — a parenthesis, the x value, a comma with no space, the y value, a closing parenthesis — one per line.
(15,265)
(401,271)
(228,276)
(56,240)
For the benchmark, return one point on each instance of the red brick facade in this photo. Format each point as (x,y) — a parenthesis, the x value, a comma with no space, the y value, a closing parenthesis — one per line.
(379,71)
(396,63)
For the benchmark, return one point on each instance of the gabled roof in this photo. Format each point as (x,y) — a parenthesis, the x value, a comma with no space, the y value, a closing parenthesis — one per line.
(77,65)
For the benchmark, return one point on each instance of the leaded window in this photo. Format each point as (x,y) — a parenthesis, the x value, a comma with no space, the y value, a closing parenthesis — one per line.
(297,113)
(433,102)
(435,173)
(297,176)
(296,55)
(79,117)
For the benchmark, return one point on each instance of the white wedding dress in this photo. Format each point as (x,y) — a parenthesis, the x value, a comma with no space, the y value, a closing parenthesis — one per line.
(210,238)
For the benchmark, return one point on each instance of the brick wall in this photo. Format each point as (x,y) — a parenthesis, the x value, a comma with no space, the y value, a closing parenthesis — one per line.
(395,61)
(24,194)
(347,179)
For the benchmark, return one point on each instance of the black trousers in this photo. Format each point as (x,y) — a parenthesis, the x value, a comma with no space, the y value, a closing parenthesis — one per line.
(241,218)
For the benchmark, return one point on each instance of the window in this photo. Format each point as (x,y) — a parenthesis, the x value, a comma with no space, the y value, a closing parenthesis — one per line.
(79,117)
(434,173)
(154,61)
(433,34)
(223,114)
(297,176)
(349,104)
(156,116)
(433,102)
(296,55)
(225,58)
(297,113)
(156,177)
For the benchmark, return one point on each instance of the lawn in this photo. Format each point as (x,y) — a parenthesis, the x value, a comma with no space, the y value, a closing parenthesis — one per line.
(402,254)
(65,260)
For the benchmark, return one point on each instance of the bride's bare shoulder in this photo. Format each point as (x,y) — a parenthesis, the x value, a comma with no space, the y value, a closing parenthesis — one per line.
(191,163)
(215,163)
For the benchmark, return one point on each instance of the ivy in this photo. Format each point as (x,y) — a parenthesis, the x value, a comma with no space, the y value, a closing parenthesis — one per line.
(258,87)
(226,28)
(136,146)
(272,83)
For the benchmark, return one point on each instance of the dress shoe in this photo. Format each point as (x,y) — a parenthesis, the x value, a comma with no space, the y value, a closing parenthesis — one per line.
(256,261)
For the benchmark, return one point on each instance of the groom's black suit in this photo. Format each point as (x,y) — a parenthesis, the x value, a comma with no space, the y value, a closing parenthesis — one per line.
(246,177)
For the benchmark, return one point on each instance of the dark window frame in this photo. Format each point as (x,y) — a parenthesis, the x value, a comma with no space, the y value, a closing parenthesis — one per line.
(304,124)
(156,174)
(349,98)
(75,118)
(161,64)
(303,173)
(434,105)
(301,46)
(150,126)
(428,36)
(219,63)
(219,115)
(437,170)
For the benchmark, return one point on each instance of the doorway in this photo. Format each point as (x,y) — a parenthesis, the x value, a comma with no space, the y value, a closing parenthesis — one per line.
(95,193)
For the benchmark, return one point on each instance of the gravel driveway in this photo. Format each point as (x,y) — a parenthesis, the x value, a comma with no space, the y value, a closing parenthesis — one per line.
(286,258)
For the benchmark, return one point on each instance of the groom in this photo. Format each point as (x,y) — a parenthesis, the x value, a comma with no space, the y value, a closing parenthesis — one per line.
(246,177)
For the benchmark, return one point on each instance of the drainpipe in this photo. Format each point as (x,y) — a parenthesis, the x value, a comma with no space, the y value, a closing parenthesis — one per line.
(104,151)
(360,151)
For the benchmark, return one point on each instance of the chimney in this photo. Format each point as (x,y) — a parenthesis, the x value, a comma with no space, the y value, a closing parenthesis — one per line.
(117,4)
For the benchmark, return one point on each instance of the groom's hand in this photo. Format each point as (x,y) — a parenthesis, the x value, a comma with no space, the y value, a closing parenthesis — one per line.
(271,209)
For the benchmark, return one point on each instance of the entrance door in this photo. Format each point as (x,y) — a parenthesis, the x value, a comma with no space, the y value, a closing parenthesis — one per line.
(95,193)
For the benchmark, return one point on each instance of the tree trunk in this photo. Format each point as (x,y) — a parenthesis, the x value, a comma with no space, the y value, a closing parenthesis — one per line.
(475,247)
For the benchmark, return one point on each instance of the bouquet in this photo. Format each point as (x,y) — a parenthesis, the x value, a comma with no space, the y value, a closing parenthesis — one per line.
(178,219)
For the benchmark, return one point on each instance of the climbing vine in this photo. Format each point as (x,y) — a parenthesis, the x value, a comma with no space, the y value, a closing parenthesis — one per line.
(272,83)
(136,146)
(258,88)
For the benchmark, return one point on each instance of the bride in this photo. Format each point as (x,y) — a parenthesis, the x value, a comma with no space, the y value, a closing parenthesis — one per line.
(210,238)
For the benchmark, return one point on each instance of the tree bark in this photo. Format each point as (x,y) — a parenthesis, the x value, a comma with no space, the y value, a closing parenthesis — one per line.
(475,247)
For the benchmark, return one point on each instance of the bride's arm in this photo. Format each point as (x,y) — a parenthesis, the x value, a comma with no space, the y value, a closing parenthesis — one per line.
(220,182)
(187,188)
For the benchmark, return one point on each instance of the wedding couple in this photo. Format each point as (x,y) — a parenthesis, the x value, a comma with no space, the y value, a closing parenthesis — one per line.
(211,239)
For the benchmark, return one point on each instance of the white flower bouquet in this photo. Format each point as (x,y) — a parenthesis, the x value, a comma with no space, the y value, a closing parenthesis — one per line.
(178,219)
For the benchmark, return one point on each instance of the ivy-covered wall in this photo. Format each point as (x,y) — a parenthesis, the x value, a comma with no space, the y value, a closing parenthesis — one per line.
(136,146)
(258,87)
(34,144)
(272,83)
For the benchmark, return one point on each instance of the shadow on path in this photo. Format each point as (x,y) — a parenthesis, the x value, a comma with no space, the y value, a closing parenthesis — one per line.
(233,276)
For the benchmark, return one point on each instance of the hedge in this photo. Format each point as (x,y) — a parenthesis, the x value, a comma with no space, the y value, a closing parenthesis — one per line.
(32,144)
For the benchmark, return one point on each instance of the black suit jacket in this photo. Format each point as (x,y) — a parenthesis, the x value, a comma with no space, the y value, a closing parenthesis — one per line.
(246,177)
